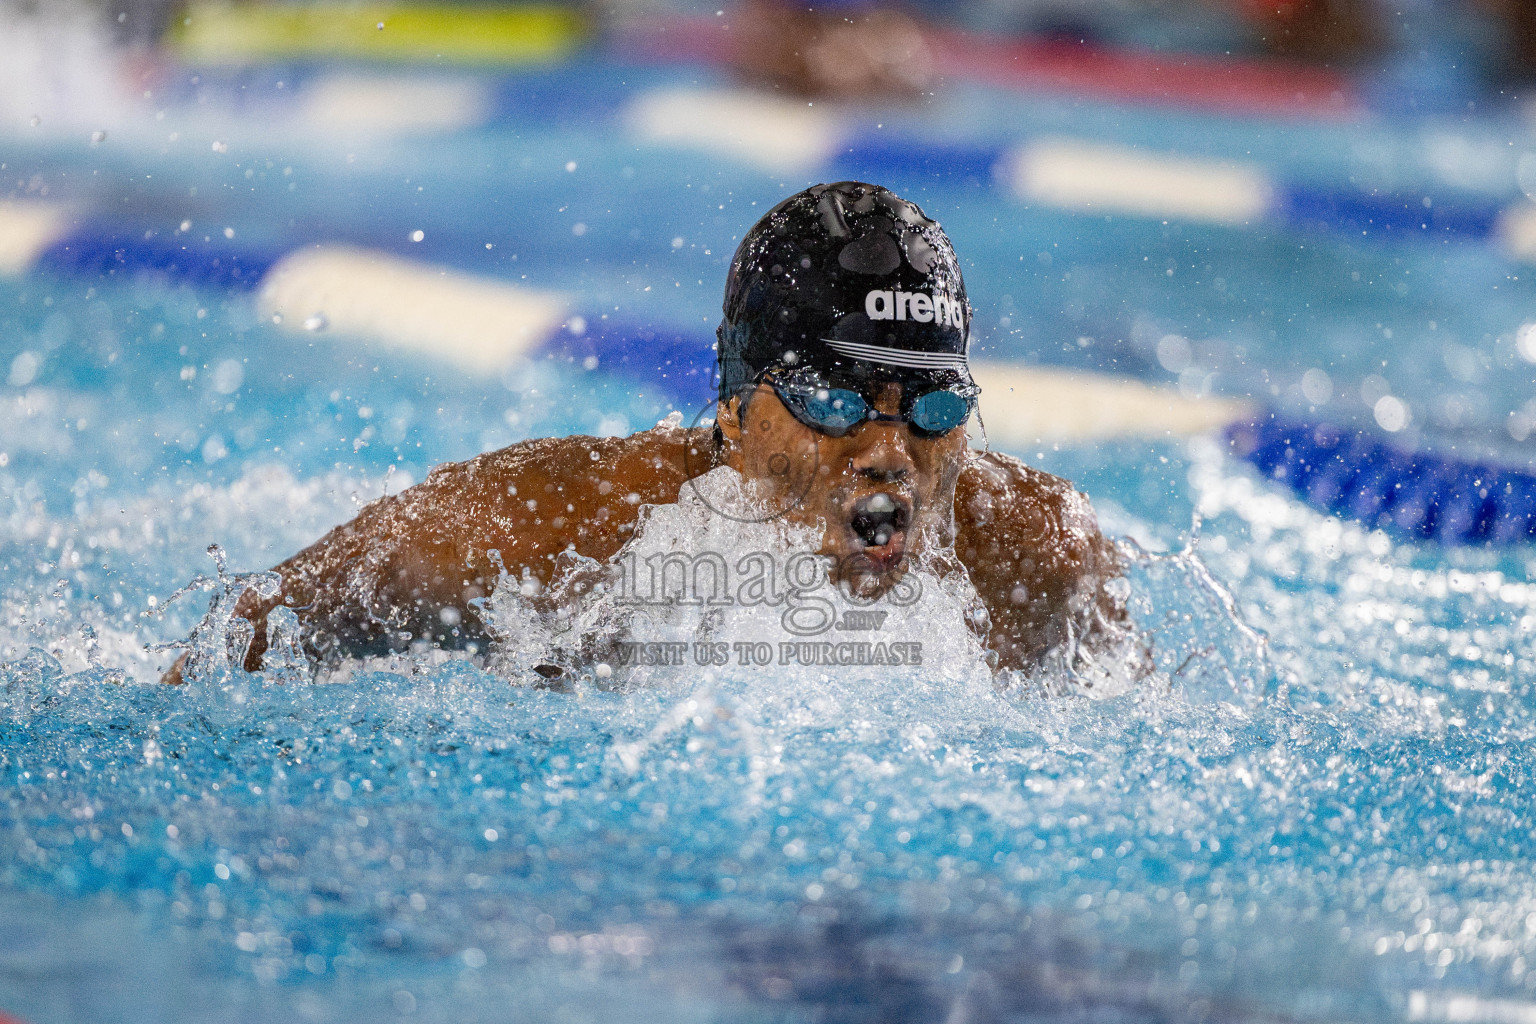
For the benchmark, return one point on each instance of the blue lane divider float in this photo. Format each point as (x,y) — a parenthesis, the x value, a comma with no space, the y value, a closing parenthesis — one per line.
(678,361)
(484,325)
(101,250)
(1425,495)
(1367,213)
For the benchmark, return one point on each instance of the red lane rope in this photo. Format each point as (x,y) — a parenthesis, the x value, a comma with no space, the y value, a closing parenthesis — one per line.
(1234,85)
(1228,84)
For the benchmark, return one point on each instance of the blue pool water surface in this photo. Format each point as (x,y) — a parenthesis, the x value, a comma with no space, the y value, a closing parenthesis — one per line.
(1343,830)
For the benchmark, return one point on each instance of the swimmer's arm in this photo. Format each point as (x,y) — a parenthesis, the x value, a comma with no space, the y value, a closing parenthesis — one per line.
(388,576)
(1033,549)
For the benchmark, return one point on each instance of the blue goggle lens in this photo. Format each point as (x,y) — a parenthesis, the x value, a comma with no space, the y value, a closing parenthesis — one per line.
(939,412)
(832,410)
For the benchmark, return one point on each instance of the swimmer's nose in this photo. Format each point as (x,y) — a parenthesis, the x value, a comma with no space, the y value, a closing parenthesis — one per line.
(882,476)
(889,458)
(878,518)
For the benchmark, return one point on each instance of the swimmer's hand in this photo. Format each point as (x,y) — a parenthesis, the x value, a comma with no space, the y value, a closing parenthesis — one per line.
(1032,547)
(413,566)
(173,675)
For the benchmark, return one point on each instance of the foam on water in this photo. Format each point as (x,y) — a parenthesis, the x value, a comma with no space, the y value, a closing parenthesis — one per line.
(692,576)
(592,613)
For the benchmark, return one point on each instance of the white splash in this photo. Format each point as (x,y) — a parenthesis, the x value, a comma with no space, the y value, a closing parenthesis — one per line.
(699,594)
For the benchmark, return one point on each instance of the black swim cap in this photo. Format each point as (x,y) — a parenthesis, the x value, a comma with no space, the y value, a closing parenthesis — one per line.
(849,279)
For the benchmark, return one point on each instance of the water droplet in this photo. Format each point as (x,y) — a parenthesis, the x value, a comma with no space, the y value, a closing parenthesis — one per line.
(186,225)
(98,137)
(381,26)
(229,232)
(570,166)
(418,235)
(316,322)
(214,449)
(24,368)
(35,121)
(1525,173)
(228,376)
(1525,342)
(1391,413)
(1174,353)
(1317,386)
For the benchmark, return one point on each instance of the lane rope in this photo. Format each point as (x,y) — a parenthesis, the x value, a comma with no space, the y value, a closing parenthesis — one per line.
(483,325)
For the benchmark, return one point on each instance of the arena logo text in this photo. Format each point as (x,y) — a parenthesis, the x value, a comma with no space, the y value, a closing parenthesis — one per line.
(922,307)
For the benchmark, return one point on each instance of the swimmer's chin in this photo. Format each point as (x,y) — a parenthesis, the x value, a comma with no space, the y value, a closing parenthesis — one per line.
(880,559)
(871,572)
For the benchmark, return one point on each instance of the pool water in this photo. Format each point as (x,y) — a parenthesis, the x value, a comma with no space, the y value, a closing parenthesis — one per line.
(1335,827)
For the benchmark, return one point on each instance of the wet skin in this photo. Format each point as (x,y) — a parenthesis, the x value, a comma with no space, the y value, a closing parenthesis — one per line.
(409,566)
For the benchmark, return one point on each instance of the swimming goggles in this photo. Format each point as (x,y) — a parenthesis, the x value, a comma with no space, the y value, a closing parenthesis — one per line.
(835,411)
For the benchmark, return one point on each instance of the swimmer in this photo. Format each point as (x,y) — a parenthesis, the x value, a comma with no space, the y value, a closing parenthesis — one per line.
(846,51)
(1516,29)
(844,394)
(1321,30)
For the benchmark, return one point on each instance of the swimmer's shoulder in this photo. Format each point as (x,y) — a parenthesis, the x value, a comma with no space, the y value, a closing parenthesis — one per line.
(647,467)
(1015,511)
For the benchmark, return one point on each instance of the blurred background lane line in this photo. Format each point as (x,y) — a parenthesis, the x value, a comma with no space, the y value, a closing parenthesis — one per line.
(443,33)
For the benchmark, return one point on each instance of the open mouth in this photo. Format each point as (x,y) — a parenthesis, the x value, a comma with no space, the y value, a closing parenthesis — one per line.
(880,523)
